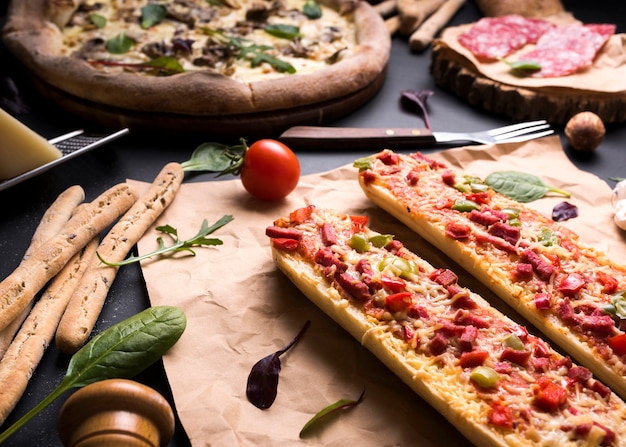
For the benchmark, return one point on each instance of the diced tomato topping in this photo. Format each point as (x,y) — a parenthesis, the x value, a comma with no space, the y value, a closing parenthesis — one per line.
(618,344)
(608,282)
(301,214)
(501,415)
(571,284)
(359,223)
(443,203)
(478,197)
(393,283)
(471,359)
(398,302)
(548,395)
(285,244)
(542,300)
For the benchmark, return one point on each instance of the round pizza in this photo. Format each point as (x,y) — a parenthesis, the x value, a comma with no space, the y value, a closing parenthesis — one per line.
(199,62)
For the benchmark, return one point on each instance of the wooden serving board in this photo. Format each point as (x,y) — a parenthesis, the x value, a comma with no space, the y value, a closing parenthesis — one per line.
(453,71)
(254,125)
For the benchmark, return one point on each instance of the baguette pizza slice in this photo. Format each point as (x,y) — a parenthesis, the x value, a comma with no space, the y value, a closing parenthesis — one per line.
(492,379)
(572,292)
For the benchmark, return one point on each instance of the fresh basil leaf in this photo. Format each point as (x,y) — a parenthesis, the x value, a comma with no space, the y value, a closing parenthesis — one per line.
(119,44)
(98,20)
(312,9)
(212,157)
(521,186)
(121,351)
(278,64)
(283,31)
(166,63)
(152,14)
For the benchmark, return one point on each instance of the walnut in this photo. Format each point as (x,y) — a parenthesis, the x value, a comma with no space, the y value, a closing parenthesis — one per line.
(585,131)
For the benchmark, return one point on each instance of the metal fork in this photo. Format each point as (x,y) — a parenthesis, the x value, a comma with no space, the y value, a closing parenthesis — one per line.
(312,137)
(508,134)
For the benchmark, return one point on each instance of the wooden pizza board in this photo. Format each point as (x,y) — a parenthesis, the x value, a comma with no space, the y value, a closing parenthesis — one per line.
(557,106)
(262,124)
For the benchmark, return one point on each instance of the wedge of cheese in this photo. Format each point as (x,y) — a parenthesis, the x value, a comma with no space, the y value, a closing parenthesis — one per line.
(21,149)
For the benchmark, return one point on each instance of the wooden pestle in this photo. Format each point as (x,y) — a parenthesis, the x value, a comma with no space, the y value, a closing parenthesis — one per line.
(116,412)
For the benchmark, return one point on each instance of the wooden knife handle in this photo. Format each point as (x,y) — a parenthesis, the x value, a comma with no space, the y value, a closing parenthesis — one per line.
(322,138)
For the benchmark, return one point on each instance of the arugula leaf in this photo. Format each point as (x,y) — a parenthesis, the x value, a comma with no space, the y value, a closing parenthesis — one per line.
(119,44)
(152,14)
(198,240)
(256,54)
(121,351)
(332,408)
(521,186)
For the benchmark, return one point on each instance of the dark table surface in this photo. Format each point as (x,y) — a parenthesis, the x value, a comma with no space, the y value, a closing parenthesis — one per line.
(140,157)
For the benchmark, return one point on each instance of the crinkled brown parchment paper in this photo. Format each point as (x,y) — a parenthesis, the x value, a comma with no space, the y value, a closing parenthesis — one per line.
(240,308)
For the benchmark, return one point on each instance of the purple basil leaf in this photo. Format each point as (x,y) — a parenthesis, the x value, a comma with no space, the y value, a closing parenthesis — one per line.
(419,98)
(564,211)
(262,385)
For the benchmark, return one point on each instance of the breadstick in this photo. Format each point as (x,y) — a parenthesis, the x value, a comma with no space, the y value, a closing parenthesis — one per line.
(386,8)
(424,35)
(19,288)
(393,24)
(35,335)
(414,12)
(51,223)
(88,299)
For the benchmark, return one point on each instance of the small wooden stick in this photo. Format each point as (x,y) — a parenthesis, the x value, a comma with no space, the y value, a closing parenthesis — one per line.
(414,12)
(393,24)
(386,8)
(424,35)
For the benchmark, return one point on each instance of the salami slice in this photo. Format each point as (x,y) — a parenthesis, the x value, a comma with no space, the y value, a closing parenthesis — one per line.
(494,37)
(567,49)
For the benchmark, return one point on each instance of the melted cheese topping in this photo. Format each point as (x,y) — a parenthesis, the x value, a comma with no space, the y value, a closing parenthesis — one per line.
(191,22)
(429,196)
(428,332)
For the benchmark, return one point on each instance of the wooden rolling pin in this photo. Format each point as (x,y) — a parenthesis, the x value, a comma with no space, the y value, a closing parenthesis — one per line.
(115,413)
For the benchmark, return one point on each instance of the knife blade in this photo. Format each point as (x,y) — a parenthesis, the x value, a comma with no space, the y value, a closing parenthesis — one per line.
(313,137)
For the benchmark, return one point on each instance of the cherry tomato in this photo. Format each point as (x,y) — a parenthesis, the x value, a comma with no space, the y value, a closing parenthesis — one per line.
(270,170)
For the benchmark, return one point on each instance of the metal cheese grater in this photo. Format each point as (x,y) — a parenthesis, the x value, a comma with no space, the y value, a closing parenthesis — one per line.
(71,145)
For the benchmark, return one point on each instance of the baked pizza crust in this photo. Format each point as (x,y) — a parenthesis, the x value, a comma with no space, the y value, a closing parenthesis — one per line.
(550,325)
(35,40)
